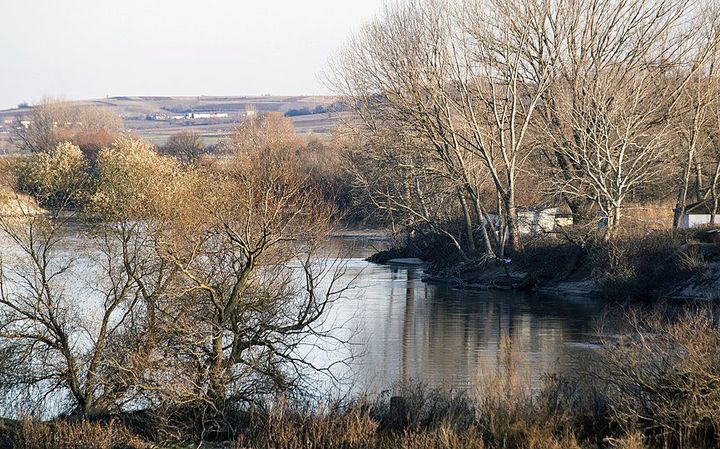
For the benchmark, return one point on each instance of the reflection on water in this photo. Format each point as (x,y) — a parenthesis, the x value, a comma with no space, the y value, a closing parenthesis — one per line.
(410,330)
(405,329)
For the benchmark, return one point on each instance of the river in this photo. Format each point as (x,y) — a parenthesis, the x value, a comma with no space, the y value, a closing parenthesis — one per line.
(404,329)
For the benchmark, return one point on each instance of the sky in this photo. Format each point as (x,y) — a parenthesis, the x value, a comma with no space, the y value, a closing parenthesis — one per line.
(80,49)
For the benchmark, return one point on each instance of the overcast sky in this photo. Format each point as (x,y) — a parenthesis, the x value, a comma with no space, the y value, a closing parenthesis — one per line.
(80,49)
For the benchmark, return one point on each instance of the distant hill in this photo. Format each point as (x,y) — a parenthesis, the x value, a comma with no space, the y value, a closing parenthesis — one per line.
(155,118)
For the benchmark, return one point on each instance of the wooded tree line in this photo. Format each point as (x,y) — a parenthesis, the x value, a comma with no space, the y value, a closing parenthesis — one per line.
(469,107)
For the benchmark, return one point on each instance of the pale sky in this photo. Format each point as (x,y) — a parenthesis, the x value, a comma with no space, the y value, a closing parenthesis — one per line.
(78,49)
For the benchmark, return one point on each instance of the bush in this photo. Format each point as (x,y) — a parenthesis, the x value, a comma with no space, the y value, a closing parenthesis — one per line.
(134,181)
(662,378)
(636,266)
(657,387)
(56,178)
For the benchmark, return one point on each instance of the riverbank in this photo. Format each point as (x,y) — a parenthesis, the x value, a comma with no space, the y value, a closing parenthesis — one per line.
(658,265)
(645,394)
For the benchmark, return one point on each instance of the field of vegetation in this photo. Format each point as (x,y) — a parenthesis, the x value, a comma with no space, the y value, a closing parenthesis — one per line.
(646,393)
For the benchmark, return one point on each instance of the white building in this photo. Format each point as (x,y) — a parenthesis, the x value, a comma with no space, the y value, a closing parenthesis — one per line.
(207,115)
(542,221)
(537,221)
(698,214)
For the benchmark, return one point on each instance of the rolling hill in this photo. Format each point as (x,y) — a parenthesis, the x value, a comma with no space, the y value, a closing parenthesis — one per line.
(155,118)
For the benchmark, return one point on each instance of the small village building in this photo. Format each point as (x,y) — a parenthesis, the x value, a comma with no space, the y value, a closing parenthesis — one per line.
(537,221)
(698,214)
(542,221)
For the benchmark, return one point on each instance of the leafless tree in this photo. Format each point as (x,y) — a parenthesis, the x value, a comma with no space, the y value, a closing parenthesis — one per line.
(54,121)
(186,147)
(71,345)
(458,79)
(238,327)
(187,286)
(619,71)
(404,185)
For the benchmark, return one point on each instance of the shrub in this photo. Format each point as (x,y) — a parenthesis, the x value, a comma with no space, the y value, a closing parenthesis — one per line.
(56,178)
(134,181)
(662,377)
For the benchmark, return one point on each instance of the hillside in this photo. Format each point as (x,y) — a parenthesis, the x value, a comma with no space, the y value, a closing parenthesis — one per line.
(155,118)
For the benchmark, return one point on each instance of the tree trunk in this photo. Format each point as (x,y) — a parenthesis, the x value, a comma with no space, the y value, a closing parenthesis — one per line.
(699,182)
(468,221)
(682,194)
(714,193)
(216,388)
(512,222)
(613,223)
(482,219)
(582,211)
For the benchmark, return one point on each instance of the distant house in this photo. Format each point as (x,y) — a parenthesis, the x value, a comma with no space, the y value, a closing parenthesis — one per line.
(542,221)
(198,115)
(698,214)
(537,221)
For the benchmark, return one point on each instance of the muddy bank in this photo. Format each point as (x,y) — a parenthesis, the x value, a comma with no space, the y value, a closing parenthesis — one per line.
(683,265)
(487,277)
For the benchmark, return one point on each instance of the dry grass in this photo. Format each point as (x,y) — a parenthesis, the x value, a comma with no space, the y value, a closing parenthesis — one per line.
(649,217)
(75,435)
(662,377)
(502,412)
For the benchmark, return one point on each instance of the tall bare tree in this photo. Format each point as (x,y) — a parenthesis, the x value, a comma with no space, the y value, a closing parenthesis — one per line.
(460,84)
(619,69)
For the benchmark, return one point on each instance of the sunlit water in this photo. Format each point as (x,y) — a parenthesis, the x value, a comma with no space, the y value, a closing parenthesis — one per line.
(400,328)
(404,329)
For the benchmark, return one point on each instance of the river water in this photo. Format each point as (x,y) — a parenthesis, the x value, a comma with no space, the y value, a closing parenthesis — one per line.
(404,329)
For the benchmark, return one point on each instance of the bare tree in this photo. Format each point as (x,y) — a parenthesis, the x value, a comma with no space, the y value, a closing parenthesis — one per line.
(244,313)
(72,345)
(54,121)
(694,123)
(79,315)
(459,80)
(498,90)
(619,69)
(405,185)
(202,286)
(186,147)
(395,73)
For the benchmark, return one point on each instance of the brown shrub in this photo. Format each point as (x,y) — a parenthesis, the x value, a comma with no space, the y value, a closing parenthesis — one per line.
(662,378)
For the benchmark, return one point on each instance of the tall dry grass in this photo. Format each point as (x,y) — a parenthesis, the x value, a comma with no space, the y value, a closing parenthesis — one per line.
(33,434)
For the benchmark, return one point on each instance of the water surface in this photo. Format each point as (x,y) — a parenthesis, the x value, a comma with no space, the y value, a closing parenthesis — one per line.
(405,329)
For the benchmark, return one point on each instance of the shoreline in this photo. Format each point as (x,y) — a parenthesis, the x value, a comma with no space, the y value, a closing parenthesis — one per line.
(654,267)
